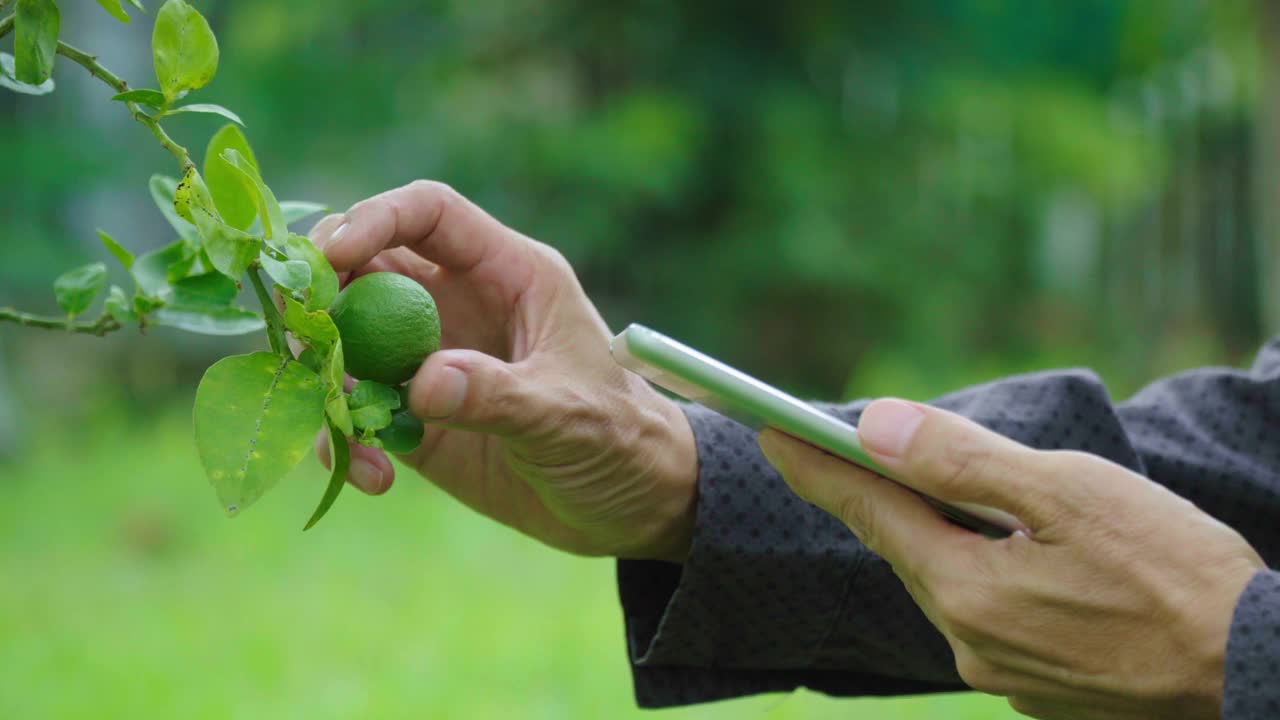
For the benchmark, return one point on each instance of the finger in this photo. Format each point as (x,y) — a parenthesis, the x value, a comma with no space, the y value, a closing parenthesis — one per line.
(429,218)
(402,261)
(322,233)
(470,390)
(892,521)
(370,472)
(958,461)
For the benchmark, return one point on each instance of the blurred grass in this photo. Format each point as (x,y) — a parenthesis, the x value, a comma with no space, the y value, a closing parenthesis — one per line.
(127,594)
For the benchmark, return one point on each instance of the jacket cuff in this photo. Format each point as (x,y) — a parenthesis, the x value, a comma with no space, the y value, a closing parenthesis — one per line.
(766,578)
(1250,689)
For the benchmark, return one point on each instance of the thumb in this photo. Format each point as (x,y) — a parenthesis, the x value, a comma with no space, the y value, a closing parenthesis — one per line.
(955,460)
(470,390)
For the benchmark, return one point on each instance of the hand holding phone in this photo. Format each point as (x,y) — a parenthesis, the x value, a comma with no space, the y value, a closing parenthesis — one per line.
(709,382)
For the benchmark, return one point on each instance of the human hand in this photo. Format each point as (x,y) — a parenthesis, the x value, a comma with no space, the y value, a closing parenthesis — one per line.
(1115,602)
(529,419)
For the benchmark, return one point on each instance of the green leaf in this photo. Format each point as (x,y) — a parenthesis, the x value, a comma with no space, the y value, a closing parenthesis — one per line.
(210,290)
(208,109)
(124,256)
(209,321)
(143,304)
(311,359)
(185,265)
(370,419)
(116,10)
(137,4)
(313,328)
(230,196)
(191,196)
(163,189)
(403,435)
(292,274)
(371,405)
(295,210)
(291,211)
(324,281)
(118,306)
(338,411)
(255,418)
(231,251)
(340,453)
(273,223)
(150,98)
(8,80)
(151,270)
(335,367)
(369,393)
(184,49)
(77,289)
(35,40)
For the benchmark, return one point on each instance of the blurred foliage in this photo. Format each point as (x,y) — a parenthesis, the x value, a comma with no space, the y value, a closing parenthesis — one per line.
(963,187)
(846,198)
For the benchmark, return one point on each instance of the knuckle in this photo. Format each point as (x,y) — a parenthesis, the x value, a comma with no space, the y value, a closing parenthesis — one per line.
(434,189)
(1070,469)
(554,257)
(854,510)
(967,464)
(964,462)
(439,194)
(377,206)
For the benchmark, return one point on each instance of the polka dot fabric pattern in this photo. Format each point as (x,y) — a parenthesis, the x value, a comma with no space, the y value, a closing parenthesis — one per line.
(1253,653)
(776,594)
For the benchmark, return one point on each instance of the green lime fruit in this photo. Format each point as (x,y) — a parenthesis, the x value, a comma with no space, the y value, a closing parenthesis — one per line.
(389,325)
(403,435)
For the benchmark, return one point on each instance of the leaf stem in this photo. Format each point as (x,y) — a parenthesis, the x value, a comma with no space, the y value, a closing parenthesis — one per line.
(90,63)
(6,25)
(275,324)
(99,327)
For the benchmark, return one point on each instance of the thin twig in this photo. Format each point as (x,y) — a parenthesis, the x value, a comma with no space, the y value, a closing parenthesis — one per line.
(99,327)
(6,25)
(90,63)
(275,324)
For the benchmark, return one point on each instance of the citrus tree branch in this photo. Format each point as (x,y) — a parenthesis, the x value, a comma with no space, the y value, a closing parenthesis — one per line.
(99,327)
(275,324)
(90,63)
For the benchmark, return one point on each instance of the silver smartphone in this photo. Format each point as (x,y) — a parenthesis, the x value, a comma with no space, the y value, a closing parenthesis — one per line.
(699,378)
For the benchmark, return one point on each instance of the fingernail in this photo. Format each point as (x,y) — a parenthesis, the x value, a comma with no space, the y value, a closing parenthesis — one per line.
(366,476)
(336,235)
(447,394)
(887,426)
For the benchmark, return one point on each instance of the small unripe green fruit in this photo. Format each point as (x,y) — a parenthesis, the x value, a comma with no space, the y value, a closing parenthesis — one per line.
(389,325)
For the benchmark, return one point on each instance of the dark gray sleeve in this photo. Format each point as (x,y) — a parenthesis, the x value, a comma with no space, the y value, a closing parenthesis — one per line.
(1252,690)
(776,594)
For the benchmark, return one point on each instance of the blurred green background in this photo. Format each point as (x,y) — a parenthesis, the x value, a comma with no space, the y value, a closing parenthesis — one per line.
(849,199)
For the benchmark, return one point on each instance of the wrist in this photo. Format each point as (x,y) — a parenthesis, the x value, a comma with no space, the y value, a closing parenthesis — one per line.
(664,530)
(1210,624)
